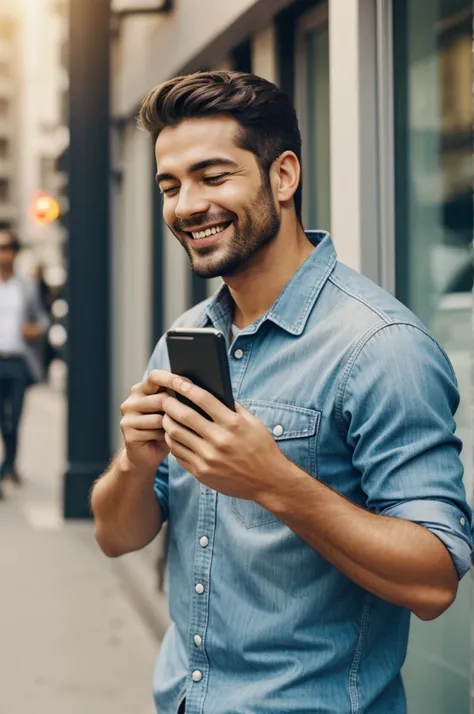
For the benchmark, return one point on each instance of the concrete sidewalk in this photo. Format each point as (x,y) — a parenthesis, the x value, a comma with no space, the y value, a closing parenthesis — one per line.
(75,636)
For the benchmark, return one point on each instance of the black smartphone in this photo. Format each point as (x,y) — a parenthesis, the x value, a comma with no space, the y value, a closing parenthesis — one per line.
(200,354)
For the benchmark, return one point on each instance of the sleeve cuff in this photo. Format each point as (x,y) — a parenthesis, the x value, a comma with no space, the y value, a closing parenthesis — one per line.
(451,525)
(161,494)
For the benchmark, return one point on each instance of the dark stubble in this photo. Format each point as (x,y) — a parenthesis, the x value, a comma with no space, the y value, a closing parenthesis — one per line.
(258,228)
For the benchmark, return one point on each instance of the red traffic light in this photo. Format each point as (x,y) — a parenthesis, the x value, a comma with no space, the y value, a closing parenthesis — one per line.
(44,208)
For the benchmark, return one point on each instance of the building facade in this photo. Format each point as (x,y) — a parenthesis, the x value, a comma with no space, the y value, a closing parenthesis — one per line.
(10,75)
(42,129)
(383,93)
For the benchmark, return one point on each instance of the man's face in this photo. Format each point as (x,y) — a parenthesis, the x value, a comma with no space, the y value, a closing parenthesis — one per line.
(7,250)
(214,199)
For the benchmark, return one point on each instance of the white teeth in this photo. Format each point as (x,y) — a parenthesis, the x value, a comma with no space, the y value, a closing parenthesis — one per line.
(208,232)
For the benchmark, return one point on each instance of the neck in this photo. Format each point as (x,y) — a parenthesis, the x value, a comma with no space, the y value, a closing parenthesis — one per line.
(256,288)
(6,273)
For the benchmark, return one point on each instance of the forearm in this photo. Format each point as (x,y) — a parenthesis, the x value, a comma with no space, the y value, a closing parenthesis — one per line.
(397,560)
(126,512)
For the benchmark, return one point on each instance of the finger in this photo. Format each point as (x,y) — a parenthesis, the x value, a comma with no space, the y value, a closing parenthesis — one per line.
(152,404)
(178,432)
(143,421)
(218,412)
(241,410)
(157,380)
(183,455)
(188,416)
(139,436)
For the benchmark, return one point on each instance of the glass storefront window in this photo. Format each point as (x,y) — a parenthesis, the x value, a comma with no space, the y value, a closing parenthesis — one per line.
(434,273)
(312,100)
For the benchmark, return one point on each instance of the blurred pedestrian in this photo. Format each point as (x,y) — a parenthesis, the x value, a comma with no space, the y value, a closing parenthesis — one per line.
(23,322)
(307,525)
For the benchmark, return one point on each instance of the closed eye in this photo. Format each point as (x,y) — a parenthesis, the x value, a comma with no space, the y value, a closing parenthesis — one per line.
(170,191)
(218,178)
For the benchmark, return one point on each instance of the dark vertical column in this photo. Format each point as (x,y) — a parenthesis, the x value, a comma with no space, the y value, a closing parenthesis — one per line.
(402,139)
(89,330)
(242,57)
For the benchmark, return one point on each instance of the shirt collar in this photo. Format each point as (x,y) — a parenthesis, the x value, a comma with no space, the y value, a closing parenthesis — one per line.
(291,309)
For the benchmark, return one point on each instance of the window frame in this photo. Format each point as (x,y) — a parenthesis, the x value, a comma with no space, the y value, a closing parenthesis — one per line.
(315,18)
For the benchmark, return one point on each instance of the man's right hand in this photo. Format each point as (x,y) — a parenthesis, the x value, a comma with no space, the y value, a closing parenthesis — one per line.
(142,422)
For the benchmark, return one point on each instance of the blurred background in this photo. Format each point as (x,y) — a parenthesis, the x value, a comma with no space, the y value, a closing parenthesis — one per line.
(383,90)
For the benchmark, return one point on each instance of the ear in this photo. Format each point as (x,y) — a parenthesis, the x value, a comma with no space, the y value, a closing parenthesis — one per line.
(285,172)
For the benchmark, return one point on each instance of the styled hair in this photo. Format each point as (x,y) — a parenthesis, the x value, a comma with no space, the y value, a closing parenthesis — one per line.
(267,118)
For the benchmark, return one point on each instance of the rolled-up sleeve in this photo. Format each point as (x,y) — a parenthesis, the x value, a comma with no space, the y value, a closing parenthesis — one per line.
(398,403)
(159,360)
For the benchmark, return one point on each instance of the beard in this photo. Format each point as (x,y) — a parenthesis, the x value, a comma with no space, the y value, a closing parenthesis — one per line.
(258,228)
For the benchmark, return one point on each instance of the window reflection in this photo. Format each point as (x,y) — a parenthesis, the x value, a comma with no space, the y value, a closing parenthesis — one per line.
(434,273)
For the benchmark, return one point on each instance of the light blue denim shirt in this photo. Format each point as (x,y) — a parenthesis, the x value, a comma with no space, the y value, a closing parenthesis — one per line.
(359,394)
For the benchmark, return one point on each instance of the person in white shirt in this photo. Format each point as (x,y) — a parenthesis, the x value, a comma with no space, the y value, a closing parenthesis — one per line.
(22,323)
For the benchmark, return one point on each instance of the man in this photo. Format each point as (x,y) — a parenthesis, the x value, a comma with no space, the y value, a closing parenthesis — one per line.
(22,323)
(304,528)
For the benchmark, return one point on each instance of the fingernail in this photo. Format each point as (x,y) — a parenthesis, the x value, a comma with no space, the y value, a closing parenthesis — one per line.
(181,385)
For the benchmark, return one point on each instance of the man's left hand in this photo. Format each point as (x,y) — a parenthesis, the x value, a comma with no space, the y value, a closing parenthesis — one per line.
(234,453)
(32,330)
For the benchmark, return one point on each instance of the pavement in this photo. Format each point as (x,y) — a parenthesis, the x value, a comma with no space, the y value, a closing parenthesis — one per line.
(79,633)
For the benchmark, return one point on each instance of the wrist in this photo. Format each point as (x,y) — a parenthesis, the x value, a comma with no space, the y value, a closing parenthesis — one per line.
(129,468)
(287,479)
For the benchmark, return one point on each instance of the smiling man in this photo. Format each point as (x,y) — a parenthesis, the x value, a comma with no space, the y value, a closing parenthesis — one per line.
(307,526)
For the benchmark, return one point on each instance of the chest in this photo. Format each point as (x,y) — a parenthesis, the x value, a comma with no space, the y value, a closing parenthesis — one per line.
(291,386)
(12,301)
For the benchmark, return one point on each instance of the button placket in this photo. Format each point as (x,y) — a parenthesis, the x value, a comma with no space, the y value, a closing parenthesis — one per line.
(238,361)
(198,660)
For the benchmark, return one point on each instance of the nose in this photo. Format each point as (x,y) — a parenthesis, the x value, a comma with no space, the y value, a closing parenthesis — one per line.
(191,201)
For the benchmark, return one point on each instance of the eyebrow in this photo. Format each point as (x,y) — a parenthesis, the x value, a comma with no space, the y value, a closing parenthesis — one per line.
(199,166)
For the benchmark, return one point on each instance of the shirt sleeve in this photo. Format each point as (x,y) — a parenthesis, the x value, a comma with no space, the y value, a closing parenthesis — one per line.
(397,404)
(159,360)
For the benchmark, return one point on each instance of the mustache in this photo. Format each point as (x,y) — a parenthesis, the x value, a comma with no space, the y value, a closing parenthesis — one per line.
(184,225)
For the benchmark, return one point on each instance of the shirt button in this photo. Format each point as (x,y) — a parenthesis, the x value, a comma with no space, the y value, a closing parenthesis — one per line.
(197,640)
(278,430)
(197,675)
(204,542)
(462,521)
(199,588)
(238,354)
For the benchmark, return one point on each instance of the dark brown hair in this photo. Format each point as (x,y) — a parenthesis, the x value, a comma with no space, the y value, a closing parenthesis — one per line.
(266,116)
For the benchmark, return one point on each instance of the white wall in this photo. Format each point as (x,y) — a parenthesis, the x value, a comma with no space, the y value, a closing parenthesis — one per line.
(40,134)
(157,47)
(353,140)
(176,278)
(264,52)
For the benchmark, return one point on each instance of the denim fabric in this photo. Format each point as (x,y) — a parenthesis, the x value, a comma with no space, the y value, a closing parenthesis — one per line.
(363,398)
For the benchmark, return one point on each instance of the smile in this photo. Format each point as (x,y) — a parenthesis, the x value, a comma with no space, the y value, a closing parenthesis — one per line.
(211,231)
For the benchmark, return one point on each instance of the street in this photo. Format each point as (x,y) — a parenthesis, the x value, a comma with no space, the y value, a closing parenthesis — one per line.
(73,640)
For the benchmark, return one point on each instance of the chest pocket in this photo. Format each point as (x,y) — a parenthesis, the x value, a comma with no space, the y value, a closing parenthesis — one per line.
(295,430)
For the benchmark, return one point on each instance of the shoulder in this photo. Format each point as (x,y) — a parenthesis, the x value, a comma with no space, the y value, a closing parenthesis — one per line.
(368,301)
(375,325)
